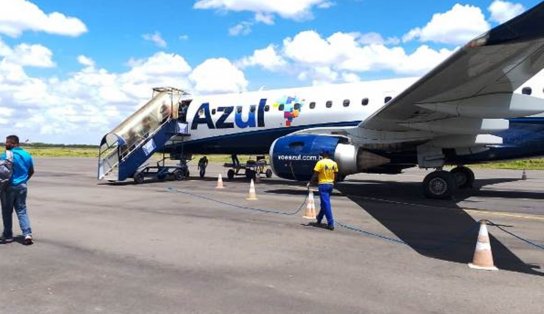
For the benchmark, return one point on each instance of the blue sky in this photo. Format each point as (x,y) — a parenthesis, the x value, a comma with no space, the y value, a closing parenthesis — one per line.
(72,70)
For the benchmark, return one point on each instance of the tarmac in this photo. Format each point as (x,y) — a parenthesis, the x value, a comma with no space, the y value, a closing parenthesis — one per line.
(186,247)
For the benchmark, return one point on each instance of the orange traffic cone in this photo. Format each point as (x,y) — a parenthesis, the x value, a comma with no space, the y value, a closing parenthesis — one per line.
(483,258)
(252,195)
(219,182)
(309,213)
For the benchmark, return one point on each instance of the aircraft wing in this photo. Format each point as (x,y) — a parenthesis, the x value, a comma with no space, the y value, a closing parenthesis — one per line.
(486,70)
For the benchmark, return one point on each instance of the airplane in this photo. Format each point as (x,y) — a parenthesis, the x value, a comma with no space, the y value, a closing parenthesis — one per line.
(484,103)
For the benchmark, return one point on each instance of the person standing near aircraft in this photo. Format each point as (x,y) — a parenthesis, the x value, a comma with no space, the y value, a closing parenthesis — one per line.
(202,164)
(325,172)
(16,191)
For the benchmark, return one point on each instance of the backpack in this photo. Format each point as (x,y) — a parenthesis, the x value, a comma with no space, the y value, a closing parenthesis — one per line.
(6,169)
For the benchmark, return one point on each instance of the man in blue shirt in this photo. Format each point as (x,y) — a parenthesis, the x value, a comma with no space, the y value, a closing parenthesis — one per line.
(14,195)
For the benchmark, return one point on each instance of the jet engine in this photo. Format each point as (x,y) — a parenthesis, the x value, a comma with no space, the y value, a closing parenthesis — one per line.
(294,156)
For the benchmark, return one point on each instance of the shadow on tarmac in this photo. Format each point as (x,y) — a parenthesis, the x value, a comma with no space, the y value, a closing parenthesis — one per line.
(429,229)
(434,228)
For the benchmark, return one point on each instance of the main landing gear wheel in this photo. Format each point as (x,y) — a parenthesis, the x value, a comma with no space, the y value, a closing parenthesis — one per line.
(439,185)
(464,177)
(268,173)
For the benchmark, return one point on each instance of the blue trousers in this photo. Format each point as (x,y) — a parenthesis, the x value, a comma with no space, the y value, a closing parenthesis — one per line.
(15,197)
(325,191)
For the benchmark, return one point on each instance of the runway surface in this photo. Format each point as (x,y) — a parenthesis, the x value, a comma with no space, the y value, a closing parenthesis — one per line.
(186,247)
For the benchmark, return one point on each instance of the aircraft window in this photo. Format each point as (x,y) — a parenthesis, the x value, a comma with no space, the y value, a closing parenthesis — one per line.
(252,109)
(328,104)
(297,106)
(201,112)
(527,91)
(214,111)
(312,105)
(267,108)
(387,99)
(364,102)
(346,102)
(239,109)
(280,107)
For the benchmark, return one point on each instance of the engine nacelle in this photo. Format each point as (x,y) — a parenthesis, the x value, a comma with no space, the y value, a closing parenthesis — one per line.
(294,156)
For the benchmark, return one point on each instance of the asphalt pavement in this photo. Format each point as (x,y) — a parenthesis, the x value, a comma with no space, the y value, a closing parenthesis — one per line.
(187,247)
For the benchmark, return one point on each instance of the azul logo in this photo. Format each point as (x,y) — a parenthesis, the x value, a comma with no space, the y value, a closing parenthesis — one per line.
(291,107)
(255,117)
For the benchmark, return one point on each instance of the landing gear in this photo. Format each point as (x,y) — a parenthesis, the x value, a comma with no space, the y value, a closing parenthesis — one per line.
(439,185)
(464,177)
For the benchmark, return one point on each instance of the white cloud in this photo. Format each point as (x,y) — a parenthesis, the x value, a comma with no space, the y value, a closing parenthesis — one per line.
(264,18)
(218,76)
(502,11)
(342,57)
(350,77)
(242,28)
(309,47)
(86,61)
(5,114)
(288,9)
(156,39)
(457,26)
(92,99)
(32,55)
(375,38)
(27,55)
(266,58)
(17,16)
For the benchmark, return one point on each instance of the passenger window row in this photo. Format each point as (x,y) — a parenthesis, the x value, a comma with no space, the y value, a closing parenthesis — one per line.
(312,105)
(347,102)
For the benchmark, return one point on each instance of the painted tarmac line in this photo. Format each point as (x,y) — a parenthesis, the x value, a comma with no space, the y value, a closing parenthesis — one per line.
(505,214)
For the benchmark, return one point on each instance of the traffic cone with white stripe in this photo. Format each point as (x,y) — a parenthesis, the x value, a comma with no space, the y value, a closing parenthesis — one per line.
(252,195)
(483,258)
(219,182)
(309,213)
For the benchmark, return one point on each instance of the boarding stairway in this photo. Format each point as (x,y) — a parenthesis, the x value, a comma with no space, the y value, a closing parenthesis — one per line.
(127,147)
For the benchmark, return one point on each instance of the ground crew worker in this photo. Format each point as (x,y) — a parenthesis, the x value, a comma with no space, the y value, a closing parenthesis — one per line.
(16,192)
(202,164)
(325,174)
